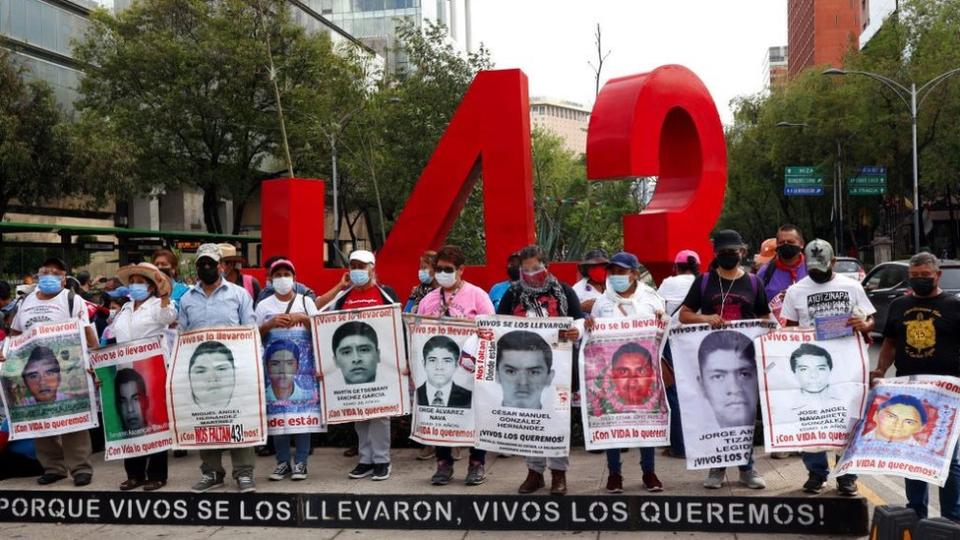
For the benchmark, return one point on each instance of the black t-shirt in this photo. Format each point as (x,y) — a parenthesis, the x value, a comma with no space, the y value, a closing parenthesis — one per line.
(742,298)
(927,332)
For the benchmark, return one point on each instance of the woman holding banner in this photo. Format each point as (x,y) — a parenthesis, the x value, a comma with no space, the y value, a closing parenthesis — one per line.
(148,314)
(627,297)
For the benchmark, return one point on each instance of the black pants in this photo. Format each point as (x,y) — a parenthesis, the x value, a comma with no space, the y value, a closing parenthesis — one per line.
(151,467)
(14,465)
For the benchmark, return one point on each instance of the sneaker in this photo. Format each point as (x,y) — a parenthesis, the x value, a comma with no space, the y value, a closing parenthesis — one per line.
(361,470)
(443,475)
(815,483)
(245,483)
(280,472)
(207,482)
(652,483)
(716,479)
(614,483)
(299,472)
(476,474)
(847,486)
(752,479)
(381,471)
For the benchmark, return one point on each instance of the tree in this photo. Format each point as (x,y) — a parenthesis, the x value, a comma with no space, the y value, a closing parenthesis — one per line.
(188,83)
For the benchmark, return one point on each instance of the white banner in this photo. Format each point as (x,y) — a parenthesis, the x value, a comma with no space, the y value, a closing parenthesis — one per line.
(291,389)
(811,392)
(522,386)
(716,375)
(215,389)
(908,429)
(441,364)
(45,385)
(362,356)
(623,401)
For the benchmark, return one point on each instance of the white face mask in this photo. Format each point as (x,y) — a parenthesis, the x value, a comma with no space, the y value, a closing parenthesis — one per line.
(283,285)
(446,280)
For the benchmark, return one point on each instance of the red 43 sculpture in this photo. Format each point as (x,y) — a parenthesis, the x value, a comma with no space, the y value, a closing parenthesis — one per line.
(662,123)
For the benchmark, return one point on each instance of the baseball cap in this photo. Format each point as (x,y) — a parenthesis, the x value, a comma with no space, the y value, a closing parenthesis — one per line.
(625,260)
(56,261)
(595,256)
(726,239)
(211,251)
(281,263)
(363,256)
(768,250)
(818,255)
(683,257)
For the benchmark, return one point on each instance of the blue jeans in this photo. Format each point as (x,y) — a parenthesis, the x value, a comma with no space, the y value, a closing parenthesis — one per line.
(445,453)
(282,444)
(647,456)
(949,494)
(816,463)
(676,427)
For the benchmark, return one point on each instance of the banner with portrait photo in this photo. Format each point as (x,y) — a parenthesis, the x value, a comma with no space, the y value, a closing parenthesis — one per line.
(45,385)
(908,428)
(290,388)
(811,392)
(441,366)
(362,356)
(716,374)
(215,392)
(623,401)
(133,398)
(522,386)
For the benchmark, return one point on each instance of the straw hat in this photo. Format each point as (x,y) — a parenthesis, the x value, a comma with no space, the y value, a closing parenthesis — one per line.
(148,271)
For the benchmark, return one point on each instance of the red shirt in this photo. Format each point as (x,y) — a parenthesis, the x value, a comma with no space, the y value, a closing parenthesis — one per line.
(358,298)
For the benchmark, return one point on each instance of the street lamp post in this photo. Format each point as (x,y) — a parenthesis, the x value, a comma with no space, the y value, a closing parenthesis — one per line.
(913,98)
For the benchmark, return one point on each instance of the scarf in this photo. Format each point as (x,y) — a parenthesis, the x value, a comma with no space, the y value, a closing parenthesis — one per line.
(791,269)
(529,296)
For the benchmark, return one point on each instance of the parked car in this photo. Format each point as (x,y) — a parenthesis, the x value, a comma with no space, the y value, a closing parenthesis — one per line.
(888,281)
(850,267)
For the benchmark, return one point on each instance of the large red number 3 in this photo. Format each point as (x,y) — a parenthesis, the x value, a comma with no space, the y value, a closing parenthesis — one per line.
(663,123)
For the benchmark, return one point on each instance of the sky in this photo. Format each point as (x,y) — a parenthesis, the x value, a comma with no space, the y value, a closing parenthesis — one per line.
(723,41)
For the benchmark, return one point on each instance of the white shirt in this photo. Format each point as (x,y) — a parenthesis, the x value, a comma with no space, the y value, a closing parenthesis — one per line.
(444,393)
(644,302)
(585,291)
(272,306)
(150,319)
(36,311)
(807,300)
(674,289)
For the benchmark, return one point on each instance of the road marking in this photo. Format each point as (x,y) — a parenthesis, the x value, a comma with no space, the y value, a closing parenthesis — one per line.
(871,495)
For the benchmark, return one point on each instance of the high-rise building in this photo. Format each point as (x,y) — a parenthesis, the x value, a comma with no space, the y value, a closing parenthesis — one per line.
(820,32)
(563,118)
(873,15)
(775,66)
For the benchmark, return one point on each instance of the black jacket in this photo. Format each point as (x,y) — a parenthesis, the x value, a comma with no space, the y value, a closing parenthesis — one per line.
(460,397)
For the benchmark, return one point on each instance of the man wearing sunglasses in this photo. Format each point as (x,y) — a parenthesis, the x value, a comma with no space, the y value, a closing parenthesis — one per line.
(459,299)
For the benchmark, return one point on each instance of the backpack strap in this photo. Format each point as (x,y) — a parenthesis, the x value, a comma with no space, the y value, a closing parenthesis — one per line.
(768,272)
(290,304)
(70,297)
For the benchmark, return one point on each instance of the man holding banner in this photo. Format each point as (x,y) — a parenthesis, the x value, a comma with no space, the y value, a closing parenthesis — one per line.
(458,299)
(215,302)
(922,337)
(835,306)
(52,303)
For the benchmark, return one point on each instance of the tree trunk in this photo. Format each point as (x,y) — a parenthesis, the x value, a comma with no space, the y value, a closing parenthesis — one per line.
(211,215)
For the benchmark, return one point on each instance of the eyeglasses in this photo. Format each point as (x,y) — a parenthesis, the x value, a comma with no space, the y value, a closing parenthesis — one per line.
(445,269)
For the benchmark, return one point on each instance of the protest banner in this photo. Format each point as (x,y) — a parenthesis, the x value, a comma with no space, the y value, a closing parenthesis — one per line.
(908,428)
(716,375)
(290,388)
(441,365)
(624,402)
(362,356)
(811,391)
(215,392)
(133,381)
(522,386)
(45,386)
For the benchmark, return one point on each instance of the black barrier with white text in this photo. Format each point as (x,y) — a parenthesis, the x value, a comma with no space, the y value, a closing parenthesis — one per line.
(821,515)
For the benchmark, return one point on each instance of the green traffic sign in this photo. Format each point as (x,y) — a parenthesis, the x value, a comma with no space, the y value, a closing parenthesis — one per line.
(810,181)
(875,181)
(800,171)
(867,190)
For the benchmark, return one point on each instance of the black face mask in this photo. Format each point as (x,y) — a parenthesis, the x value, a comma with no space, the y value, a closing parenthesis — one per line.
(922,286)
(728,261)
(820,276)
(208,274)
(787,251)
(514,273)
(167,272)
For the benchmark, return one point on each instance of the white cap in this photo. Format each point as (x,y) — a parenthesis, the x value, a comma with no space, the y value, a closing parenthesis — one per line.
(363,256)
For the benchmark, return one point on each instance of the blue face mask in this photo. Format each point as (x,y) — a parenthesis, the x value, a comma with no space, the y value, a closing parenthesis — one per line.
(359,277)
(50,284)
(619,283)
(424,277)
(138,291)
